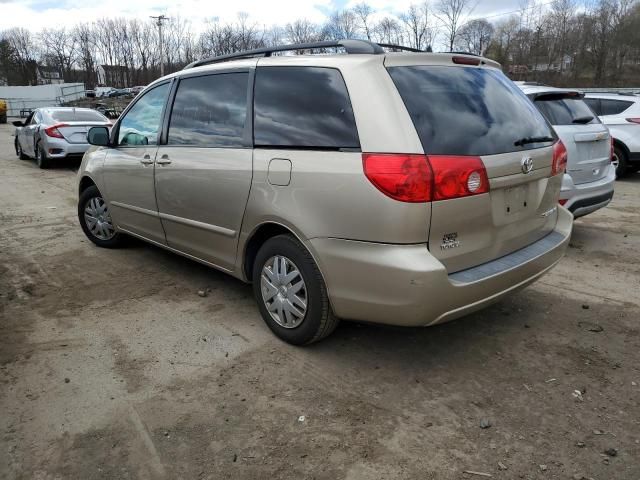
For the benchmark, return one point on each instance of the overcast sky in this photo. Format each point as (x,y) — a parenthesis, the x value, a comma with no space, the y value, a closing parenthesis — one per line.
(36,14)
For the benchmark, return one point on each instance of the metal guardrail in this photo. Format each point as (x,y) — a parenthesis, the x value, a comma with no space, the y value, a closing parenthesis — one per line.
(632,90)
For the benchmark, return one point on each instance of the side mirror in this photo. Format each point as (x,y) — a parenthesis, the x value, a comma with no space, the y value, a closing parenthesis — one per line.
(18,123)
(98,136)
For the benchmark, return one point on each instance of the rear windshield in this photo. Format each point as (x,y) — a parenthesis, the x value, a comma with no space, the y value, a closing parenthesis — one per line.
(566,111)
(468,111)
(77,116)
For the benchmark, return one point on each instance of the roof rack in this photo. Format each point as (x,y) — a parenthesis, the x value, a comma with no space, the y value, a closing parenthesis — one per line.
(400,47)
(351,47)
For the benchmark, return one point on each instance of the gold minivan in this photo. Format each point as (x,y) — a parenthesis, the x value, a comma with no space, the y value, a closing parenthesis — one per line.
(405,187)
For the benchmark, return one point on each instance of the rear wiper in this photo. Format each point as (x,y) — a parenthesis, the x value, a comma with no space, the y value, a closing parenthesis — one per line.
(527,140)
(583,120)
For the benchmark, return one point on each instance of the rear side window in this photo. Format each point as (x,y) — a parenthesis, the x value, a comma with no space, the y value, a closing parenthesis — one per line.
(594,104)
(77,116)
(210,111)
(614,107)
(565,111)
(303,107)
(467,110)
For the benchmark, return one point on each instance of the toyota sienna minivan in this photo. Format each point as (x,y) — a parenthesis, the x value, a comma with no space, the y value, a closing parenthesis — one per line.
(402,188)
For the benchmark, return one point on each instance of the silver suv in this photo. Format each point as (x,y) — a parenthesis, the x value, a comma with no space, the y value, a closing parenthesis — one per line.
(589,182)
(401,188)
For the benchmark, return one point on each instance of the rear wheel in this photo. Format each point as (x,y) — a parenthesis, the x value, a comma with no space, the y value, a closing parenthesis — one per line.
(19,151)
(291,294)
(95,219)
(41,157)
(620,161)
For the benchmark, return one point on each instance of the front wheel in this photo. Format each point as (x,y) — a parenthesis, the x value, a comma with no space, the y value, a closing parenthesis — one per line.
(95,219)
(291,294)
(19,151)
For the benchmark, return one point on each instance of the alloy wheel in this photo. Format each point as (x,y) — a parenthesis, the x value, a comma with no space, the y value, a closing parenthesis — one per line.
(615,161)
(284,291)
(98,219)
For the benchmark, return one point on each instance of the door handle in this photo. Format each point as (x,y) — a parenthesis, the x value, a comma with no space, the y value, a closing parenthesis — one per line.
(164,160)
(146,160)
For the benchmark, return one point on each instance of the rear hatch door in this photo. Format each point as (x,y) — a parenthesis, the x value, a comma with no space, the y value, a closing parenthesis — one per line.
(475,111)
(585,138)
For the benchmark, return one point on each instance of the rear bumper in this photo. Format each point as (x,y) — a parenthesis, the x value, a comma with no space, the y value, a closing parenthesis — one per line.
(405,285)
(60,148)
(588,197)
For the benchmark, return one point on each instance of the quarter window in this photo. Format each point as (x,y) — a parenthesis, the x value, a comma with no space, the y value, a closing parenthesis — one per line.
(303,107)
(210,111)
(140,125)
(614,107)
(594,104)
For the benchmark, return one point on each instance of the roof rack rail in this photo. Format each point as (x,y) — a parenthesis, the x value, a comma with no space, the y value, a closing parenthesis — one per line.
(400,47)
(351,46)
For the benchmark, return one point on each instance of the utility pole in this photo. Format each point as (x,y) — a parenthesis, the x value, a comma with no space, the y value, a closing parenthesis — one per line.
(159,19)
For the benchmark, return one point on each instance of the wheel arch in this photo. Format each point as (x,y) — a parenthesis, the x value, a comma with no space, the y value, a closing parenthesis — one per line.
(622,145)
(259,235)
(85,182)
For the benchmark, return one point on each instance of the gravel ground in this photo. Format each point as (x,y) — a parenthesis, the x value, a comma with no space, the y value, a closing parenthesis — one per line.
(112,366)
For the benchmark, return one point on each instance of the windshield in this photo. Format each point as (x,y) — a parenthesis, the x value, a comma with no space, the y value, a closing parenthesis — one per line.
(77,116)
(469,111)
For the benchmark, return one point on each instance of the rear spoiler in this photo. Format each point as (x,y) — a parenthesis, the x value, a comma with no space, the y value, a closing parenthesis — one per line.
(556,95)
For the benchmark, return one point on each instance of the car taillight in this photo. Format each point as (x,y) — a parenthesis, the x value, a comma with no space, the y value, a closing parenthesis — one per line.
(407,178)
(53,131)
(420,178)
(465,60)
(559,158)
(458,176)
(633,120)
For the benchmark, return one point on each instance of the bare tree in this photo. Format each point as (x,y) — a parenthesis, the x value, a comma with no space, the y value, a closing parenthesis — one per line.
(60,46)
(363,11)
(341,25)
(474,36)
(419,28)
(302,31)
(450,13)
(388,30)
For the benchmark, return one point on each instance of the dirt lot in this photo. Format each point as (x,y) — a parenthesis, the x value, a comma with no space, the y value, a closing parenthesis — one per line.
(112,366)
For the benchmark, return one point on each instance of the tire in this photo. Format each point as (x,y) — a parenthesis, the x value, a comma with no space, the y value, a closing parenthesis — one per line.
(41,157)
(317,320)
(100,233)
(623,163)
(19,151)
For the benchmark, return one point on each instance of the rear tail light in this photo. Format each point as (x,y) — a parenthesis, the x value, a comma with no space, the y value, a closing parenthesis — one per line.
(559,158)
(418,178)
(407,178)
(53,130)
(458,176)
(633,120)
(562,201)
